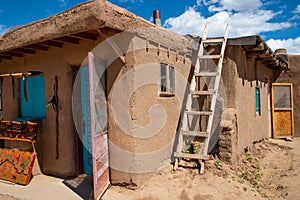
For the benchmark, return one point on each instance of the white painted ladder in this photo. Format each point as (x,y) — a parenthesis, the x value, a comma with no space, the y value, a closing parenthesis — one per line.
(185,133)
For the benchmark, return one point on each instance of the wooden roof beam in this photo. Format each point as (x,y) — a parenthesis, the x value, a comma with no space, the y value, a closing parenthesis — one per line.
(5,57)
(68,39)
(86,35)
(52,43)
(37,47)
(9,53)
(22,50)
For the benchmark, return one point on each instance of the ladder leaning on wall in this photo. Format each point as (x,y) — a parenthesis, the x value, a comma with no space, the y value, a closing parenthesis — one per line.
(186,135)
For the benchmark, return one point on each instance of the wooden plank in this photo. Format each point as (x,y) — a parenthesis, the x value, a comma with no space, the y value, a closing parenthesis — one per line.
(192,156)
(86,35)
(52,43)
(5,57)
(198,112)
(194,133)
(213,41)
(9,53)
(22,50)
(68,39)
(207,57)
(203,93)
(37,47)
(206,74)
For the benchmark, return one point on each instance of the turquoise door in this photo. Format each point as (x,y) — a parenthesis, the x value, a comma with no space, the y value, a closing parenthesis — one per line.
(35,105)
(86,125)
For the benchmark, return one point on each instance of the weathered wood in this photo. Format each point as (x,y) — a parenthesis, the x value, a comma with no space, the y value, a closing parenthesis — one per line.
(9,53)
(207,57)
(194,133)
(192,156)
(68,39)
(206,74)
(52,43)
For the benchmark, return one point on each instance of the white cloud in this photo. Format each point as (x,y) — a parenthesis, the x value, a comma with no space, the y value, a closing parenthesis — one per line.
(241,23)
(63,3)
(230,5)
(291,45)
(297,10)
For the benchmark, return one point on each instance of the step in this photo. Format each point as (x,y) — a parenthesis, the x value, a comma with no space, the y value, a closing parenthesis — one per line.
(203,93)
(208,57)
(193,156)
(205,74)
(213,41)
(198,112)
(194,133)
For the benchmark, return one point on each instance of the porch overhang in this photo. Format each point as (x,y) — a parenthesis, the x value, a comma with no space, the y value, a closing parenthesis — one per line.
(82,22)
(256,48)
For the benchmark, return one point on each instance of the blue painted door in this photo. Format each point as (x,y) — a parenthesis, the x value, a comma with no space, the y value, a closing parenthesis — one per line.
(35,105)
(86,125)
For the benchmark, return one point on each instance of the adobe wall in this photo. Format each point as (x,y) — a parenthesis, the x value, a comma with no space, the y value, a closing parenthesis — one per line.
(55,62)
(142,140)
(241,76)
(292,76)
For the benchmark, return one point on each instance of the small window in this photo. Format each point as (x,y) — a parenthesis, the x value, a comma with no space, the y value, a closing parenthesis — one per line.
(167,79)
(257,101)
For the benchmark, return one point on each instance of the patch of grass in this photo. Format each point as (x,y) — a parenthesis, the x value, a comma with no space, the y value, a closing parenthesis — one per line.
(249,157)
(218,164)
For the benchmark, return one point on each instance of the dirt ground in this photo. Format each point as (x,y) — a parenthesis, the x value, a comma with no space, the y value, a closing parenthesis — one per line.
(269,170)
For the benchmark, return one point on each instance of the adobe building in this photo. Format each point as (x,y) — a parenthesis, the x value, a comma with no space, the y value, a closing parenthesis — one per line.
(119,117)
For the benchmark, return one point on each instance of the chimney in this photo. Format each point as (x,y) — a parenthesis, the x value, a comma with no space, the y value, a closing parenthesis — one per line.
(281,53)
(156,17)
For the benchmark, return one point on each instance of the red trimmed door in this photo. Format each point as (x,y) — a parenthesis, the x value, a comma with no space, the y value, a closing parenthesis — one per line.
(98,119)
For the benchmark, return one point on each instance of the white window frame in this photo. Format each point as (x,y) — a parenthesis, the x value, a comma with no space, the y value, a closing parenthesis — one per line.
(167,80)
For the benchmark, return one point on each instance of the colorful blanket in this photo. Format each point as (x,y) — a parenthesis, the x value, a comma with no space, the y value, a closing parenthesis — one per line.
(18,130)
(16,166)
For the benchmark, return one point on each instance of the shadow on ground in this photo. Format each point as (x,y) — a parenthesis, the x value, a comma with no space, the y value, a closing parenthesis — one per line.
(81,185)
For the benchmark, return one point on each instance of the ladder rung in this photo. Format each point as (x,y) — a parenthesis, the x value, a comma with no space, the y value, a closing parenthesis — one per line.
(213,41)
(203,74)
(203,93)
(206,57)
(198,112)
(194,133)
(193,156)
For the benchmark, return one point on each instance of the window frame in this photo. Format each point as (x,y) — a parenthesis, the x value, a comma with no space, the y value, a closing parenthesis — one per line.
(167,80)
(257,101)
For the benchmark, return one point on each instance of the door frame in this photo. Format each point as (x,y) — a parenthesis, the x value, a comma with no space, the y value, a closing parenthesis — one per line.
(291,109)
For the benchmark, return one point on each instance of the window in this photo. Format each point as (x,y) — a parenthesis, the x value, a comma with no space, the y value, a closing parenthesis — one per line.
(32,97)
(167,79)
(257,101)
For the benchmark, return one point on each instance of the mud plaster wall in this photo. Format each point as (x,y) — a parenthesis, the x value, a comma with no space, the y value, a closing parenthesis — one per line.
(55,62)
(292,76)
(241,76)
(146,143)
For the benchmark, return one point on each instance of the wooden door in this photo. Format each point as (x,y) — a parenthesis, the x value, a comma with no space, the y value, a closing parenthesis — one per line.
(282,110)
(98,124)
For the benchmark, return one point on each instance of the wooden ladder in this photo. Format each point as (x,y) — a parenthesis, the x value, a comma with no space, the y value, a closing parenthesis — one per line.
(186,135)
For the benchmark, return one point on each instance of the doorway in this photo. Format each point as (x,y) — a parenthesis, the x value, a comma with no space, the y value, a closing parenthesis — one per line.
(282,110)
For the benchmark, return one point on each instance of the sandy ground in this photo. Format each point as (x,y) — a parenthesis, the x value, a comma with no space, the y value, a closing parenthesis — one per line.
(269,170)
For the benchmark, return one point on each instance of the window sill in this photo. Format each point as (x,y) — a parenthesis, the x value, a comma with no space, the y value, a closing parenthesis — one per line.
(166,94)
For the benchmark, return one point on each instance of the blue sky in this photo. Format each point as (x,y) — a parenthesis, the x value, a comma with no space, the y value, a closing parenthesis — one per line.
(277,21)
